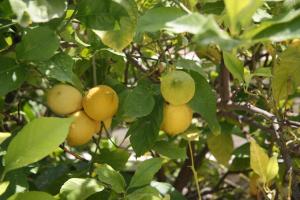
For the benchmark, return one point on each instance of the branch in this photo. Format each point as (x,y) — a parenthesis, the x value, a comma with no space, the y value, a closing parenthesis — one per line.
(224,87)
(72,153)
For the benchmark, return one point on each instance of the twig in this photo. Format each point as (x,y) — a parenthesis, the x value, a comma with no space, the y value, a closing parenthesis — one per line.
(224,87)
(72,153)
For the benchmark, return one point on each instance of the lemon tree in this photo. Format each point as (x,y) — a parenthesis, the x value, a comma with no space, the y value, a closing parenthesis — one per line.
(149,99)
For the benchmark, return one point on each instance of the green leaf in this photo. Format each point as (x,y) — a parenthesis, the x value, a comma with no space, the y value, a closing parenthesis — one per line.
(145,172)
(221,146)
(155,19)
(38,44)
(234,66)
(38,10)
(116,158)
(96,14)
(108,175)
(60,67)
(204,102)
(80,188)
(190,65)
(272,168)
(12,75)
(3,187)
(145,193)
(286,72)
(4,136)
(144,132)
(139,102)
(263,71)
(170,150)
(35,141)
(280,28)
(31,195)
(240,12)
(258,160)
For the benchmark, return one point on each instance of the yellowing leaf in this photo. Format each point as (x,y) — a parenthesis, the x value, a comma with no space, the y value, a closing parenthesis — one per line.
(118,39)
(272,169)
(286,74)
(4,136)
(240,11)
(258,160)
(3,187)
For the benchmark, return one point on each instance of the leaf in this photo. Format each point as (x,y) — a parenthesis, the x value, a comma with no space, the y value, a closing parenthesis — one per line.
(280,28)
(108,175)
(145,193)
(3,187)
(80,188)
(204,102)
(190,65)
(272,168)
(170,150)
(12,75)
(31,195)
(286,72)
(221,146)
(138,103)
(35,141)
(38,44)
(118,39)
(60,67)
(205,28)
(38,10)
(234,66)
(4,136)
(116,158)
(145,172)
(258,160)
(155,19)
(96,14)
(263,71)
(144,132)
(240,12)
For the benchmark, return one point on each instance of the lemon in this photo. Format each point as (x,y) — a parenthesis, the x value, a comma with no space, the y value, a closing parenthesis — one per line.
(82,129)
(100,102)
(64,99)
(177,87)
(176,119)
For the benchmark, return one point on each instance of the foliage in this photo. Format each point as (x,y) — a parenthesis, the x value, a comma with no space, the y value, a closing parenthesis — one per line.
(242,55)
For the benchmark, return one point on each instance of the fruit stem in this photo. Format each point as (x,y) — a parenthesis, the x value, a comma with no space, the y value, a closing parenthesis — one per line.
(194,171)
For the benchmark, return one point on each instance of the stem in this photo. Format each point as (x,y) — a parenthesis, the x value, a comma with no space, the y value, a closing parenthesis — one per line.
(94,70)
(194,171)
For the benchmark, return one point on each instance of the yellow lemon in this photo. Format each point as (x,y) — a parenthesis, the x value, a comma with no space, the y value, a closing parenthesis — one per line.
(64,99)
(176,119)
(82,129)
(177,87)
(101,102)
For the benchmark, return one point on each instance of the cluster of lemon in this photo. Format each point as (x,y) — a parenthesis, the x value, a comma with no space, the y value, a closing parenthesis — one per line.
(177,88)
(90,111)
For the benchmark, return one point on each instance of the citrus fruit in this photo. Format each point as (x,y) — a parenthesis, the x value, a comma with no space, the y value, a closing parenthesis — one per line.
(100,102)
(177,87)
(64,99)
(82,129)
(176,119)
(107,124)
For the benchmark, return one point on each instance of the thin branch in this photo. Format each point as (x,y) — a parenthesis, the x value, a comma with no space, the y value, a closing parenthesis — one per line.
(224,87)
(72,153)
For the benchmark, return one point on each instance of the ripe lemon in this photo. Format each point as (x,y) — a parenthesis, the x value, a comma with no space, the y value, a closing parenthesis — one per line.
(176,119)
(100,102)
(107,124)
(64,99)
(82,129)
(177,87)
